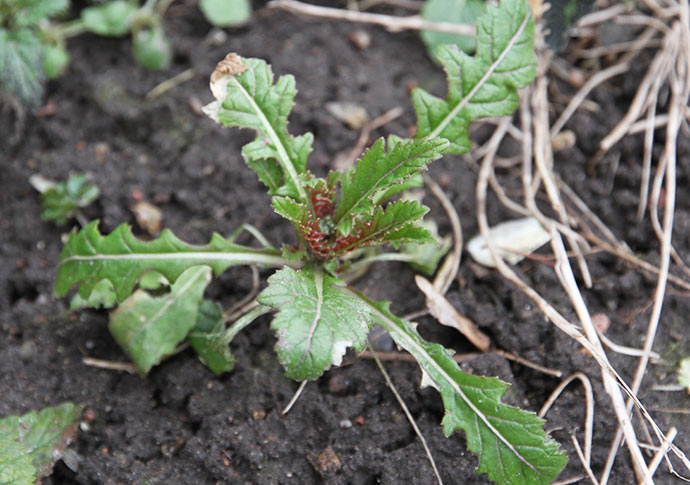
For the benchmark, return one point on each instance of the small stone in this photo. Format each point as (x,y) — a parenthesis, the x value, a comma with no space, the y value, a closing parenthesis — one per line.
(258,414)
(339,385)
(326,463)
(345,424)
(360,38)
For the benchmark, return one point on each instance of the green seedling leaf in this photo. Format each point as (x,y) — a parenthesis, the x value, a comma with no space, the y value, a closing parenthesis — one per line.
(102,296)
(89,257)
(376,172)
(427,256)
(30,12)
(210,339)
(207,338)
(453,11)
(226,13)
(246,97)
(16,467)
(55,60)
(32,443)
(484,85)
(61,201)
(150,327)
(393,225)
(152,48)
(21,65)
(316,322)
(112,19)
(684,373)
(511,443)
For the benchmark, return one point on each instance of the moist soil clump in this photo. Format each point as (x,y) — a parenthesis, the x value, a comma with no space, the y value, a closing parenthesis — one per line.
(182,424)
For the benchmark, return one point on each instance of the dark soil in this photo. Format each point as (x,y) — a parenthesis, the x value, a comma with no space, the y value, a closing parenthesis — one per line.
(183,424)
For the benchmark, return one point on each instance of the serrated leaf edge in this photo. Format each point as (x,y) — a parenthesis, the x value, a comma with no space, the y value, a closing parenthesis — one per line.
(466,99)
(403,339)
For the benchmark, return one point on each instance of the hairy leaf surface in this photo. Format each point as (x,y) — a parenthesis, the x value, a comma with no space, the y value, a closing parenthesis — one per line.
(377,171)
(89,257)
(511,443)
(393,225)
(247,98)
(484,85)
(150,327)
(31,12)
(30,444)
(316,322)
(21,65)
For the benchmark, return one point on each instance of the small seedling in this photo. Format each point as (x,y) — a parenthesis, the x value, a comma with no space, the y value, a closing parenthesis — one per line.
(61,201)
(33,46)
(338,220)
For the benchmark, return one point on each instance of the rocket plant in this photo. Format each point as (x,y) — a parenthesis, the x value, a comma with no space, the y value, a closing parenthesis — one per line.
(317,315)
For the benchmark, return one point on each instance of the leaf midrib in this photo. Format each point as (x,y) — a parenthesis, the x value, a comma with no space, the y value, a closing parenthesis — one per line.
(466,99)
(393,328)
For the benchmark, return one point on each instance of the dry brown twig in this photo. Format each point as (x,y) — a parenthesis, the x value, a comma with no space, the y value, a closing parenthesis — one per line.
(391,23)
(589,408)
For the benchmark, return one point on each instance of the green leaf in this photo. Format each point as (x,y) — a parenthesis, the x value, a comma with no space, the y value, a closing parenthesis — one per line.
(428,255)
(210,339)
(292,211)
(102,296)
(377,171)
(32,443)
(511,443)
(88,257)
(112,19)
(393,225)
(16,467)
(484,85)
(226,13)
(55,60)
(452,11)
(61,201)
(207,338)
(152,48)
(34,11)
(21,65)
(246,97)
(150,327)
(316,322)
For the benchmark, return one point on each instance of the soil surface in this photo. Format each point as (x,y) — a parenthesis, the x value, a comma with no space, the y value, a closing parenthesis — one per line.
(183,424)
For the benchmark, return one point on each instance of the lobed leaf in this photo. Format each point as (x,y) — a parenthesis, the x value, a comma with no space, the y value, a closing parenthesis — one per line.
(150,327)
(21,65)
(484,85)
(453,11)
(377,172)
(30,444)
(89,257)
(247,98)
(511,443)
(102,296)
(316,322)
